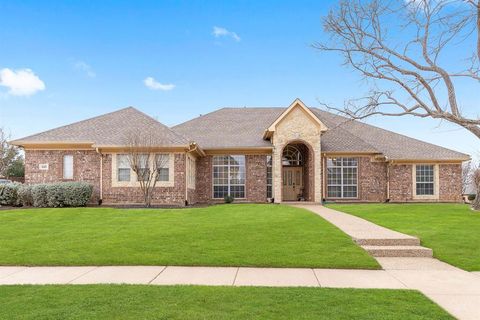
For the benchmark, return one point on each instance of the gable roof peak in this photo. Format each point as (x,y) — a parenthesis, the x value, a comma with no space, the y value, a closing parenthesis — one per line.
(297,103)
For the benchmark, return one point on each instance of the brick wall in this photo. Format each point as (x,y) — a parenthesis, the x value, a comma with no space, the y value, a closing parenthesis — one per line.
(372,179)
(204,179)
(86,167)
(401,184)
(450,184)
(256,178)
(133,195)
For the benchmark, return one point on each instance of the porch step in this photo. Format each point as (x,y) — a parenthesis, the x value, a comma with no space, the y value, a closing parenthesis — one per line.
(388,241)
(398,251)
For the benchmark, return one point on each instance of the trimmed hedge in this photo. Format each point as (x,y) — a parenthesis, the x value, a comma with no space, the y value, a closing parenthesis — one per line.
(54,195)
(25,197)
(8,194)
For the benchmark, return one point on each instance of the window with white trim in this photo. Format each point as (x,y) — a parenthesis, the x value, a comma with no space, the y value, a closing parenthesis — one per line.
(123,167)
(68,167)
(269,177)
(163,167)
(425,180)
(342,177)
(229,176)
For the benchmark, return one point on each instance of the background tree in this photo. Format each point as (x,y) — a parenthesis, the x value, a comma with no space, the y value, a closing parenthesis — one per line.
(11,159)
(408,76)
(476,182)
(145,161)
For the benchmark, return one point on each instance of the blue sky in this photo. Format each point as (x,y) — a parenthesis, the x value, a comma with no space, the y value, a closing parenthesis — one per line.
(94,57)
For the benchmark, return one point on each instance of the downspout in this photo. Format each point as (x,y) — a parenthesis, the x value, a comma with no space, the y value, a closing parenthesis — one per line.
(388,181)
(186,169)
(101,176)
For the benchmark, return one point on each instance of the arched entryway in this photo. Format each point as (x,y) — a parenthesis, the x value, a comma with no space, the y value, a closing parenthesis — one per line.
(297,172)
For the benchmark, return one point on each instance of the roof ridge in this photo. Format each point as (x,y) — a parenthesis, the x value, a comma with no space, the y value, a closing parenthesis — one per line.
(77,122)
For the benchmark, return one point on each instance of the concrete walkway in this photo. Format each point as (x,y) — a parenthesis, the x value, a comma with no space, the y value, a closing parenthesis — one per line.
(454,289)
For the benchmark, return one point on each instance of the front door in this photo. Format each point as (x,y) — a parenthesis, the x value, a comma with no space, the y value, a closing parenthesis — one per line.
(292,183)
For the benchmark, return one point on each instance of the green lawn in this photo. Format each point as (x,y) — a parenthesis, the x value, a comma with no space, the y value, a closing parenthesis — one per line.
(195,302)
(451,230)
(223,235)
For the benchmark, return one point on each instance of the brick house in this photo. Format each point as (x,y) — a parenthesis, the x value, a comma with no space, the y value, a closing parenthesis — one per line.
(252,154)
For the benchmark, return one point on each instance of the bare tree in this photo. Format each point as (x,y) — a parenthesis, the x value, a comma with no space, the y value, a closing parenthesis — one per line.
(145,161)
(408,77)
(476,182)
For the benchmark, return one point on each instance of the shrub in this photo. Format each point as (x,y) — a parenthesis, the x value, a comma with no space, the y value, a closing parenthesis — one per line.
(39,195)
(62,194)
(8,194)
(471,197)
(25,197)
(228,199)
(76,194)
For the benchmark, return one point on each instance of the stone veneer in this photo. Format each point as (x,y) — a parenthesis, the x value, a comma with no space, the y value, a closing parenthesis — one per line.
(297,127)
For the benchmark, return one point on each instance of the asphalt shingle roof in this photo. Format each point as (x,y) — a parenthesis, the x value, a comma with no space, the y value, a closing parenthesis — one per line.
(111,129)
(244,127)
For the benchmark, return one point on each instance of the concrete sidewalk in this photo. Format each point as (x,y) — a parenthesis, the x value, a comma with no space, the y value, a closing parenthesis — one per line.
(455,290)
(212,276)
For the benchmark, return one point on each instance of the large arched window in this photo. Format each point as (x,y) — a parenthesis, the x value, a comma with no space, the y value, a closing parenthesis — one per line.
(291,156)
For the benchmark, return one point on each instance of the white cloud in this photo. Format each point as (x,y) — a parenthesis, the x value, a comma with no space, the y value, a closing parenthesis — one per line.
(222,32)
(21,82)
(84,67)
(151,83)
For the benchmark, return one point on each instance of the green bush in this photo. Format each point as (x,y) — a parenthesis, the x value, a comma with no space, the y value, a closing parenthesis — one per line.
(228,199)
(471,197)
(8,194)
(25,197)
(76,194)
(62,194)
(39,195)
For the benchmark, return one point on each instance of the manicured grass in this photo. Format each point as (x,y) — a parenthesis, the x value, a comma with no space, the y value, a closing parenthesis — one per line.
(224,235)
(451,230)
(153,302)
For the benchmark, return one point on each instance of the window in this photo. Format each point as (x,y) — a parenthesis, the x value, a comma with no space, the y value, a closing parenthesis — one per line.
(123,167)
(228,176)
(191,172)
(68,167)
(163,170)
(342,177)
(269,177)
(425,177)
(291,156)
(143,167)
